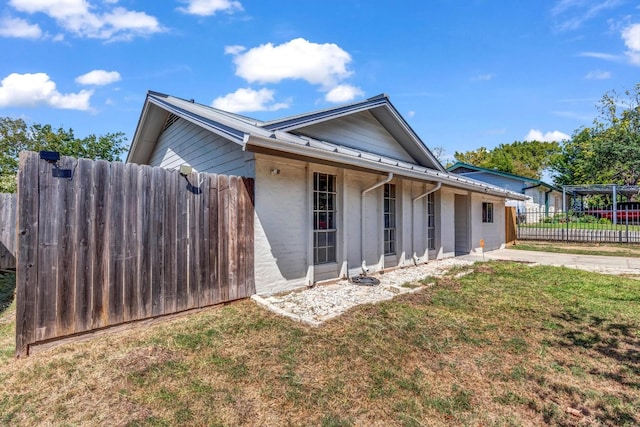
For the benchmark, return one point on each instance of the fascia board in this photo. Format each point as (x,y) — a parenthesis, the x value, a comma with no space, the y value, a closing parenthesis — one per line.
(303,120)
(223,130)
(367,161)
(136,135)
(408,130)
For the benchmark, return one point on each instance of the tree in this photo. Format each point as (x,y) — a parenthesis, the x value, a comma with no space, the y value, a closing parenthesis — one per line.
(16,135)
(479,157)
(439,153)
(609,151)
(525,158)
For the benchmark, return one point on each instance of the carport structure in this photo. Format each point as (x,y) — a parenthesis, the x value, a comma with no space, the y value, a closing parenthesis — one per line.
(616,219)
(611,191)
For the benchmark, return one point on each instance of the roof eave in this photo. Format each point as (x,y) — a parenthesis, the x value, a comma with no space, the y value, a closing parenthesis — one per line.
(371,104)
(536,182)
(215,127)
(136,135)
(359,162)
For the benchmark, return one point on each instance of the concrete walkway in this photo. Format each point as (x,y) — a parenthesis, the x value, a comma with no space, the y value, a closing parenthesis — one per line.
(597,263)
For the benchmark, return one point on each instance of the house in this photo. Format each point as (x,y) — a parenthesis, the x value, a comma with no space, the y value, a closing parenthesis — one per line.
(542,199)
(338,192)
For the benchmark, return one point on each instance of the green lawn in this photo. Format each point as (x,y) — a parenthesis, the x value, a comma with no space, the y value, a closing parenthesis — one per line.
(580,226)
(507,345)
(604,249)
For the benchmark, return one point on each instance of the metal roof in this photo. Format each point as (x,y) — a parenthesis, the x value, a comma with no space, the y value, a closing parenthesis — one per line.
(591,189)
(251,133)
(535,182)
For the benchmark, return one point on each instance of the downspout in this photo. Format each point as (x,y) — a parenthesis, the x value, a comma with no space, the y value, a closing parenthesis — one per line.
(365,191)
(413,206)
(546,202)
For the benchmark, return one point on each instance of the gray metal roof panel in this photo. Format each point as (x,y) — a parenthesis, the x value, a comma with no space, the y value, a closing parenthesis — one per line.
(329,151)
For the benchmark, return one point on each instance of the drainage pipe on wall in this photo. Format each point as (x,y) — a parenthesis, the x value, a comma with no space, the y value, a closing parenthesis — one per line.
(413,206)
(362,229)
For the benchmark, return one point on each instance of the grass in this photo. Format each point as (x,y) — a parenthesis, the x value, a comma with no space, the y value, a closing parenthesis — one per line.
(606,249)
(582,226)
(506,345)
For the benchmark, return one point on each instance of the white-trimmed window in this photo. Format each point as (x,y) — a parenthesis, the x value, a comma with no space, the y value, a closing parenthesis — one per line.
(487,212)
(324,218)
(431,221)
(389,219)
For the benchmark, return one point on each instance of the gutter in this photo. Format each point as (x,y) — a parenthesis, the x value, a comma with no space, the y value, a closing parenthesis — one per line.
(529,188)
(362,229)
(413,206)
(416,173)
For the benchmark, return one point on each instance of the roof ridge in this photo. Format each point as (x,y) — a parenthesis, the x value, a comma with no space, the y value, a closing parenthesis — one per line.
(246,119)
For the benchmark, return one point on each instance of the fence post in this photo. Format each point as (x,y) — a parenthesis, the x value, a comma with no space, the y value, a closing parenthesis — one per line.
(626,222)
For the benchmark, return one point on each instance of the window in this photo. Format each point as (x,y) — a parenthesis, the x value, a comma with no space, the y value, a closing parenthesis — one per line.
(431,221)
(324,218)
(389,219)
(487,212)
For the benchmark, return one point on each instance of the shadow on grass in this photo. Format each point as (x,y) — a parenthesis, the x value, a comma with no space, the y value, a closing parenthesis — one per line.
(7,289)
(618,342)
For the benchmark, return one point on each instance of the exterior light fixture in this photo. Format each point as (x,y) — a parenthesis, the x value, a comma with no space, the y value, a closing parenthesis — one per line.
(186,170)
(50,156)
(53,157)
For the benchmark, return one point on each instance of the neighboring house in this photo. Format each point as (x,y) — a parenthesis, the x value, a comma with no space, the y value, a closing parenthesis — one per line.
(542,198)
(338,192)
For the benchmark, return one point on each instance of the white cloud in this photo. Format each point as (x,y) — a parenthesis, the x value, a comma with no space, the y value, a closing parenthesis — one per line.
(537,135)
(80,18)
(571,14)
(343,93)
(411,114)
(210,7)
(318,64)
(631,37)
(244,100)
(32,90)
(19,28)
(598,75)
(234,50)
(98,78)
(483,77)
(599,55)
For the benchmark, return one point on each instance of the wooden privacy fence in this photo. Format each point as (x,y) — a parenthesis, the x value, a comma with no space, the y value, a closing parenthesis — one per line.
(510,223)
(7,231)
(121,242)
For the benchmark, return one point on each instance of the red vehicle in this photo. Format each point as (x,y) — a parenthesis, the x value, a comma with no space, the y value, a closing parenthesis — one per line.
(623,211)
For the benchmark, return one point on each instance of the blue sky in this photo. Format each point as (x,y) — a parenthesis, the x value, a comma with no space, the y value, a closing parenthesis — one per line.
(464,74)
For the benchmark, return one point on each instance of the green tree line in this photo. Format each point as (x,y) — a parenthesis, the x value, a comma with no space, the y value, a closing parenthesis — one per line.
(17,135)
(608,152)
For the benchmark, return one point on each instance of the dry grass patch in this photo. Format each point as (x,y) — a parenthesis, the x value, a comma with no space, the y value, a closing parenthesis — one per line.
(508,344)
(594,248)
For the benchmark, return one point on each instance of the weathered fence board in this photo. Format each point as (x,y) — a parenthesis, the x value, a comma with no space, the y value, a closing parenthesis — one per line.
(7,231)
(122,242)
(511,228)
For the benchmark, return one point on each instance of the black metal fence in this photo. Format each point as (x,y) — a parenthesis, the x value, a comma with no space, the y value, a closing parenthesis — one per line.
(611,224)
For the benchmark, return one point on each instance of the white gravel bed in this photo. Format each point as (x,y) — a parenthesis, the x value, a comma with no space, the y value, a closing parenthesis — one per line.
(314,306)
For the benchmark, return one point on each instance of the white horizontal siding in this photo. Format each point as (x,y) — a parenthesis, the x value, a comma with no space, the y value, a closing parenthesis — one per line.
(360,131)
(186,143)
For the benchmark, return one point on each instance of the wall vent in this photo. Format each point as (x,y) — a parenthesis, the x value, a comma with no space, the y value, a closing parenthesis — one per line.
(170,120)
